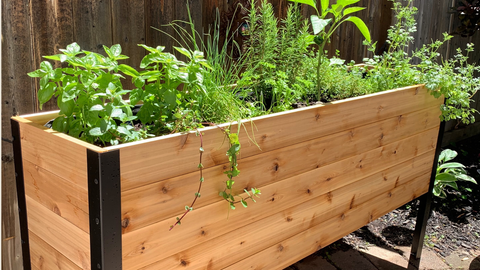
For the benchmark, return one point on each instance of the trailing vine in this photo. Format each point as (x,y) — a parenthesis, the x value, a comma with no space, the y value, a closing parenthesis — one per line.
(232,153)
(197,194)
(227,194)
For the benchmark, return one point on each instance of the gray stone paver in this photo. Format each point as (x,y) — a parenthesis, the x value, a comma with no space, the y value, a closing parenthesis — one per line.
(314,262)
(385,259)
(351,259)
(377,258)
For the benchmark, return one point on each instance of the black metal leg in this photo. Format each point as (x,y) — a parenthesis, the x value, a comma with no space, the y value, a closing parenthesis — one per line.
(105,210)
(425,208)
(22,204)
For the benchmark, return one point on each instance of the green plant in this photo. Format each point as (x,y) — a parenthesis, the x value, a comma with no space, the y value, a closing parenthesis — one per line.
(324,27)
(448,173)
(272,79)
(90,95)
(233,171)
(453,78)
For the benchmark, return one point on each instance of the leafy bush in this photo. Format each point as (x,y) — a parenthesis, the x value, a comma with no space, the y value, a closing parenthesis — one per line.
(448,173)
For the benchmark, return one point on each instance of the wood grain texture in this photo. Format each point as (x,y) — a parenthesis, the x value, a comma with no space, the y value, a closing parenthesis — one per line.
(63,236)
(45,257)
(58,195)
(18,96)
(145,244)
(128,30)
(54,154)
(92,24)
(301,245)
(322,203)
(285,129)
(52,29)
(255,237)
(152,203)
(158,14)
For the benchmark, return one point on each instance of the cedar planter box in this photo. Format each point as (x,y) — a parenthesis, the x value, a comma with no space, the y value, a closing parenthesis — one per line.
(324,171)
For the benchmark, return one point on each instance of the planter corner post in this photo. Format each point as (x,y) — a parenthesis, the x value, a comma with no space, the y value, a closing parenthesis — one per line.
(20,185)
(104,200)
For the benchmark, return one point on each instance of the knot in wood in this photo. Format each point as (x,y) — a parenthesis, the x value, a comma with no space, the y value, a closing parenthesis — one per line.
(183,263)
(125,222)
(280,248)
(164,190)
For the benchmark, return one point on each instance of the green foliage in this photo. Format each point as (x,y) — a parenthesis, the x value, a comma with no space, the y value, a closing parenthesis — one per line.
(448,173)
(324,27)
(233,171)
(273,77)
(90,95)
(453,78)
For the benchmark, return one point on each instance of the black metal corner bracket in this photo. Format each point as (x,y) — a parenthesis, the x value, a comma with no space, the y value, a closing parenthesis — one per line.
(104,203)
(425,207)
(22,204)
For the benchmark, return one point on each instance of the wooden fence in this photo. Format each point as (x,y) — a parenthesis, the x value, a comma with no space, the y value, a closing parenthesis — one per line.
(31,29)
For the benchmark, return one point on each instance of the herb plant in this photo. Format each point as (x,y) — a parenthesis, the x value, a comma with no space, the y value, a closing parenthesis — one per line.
(90,95)
(448,173)
(324,27)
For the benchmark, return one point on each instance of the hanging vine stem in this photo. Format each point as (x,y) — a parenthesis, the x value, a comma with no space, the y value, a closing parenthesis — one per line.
(197,194)
(233,151)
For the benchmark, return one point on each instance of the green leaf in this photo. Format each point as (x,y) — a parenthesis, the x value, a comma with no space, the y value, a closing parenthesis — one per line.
(465,177)
(318,24)
(183,51)
(445,177)
(116,112)
(116,50)
(45,93)
(447,155)
(361,26)
(346,2)
(451,165)
(97,107)
(66,108)
(324,5)
(244,203)
(128,70)
(452,184)
(123,130)
(352,10)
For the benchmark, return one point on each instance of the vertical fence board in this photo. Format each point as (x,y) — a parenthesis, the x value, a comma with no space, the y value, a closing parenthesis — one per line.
(158,14)
(92,24)
(128,28)
(18,96)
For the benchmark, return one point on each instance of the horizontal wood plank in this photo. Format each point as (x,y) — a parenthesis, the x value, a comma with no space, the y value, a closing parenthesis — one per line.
(45,257)
(210,221)
(287,252)
(58,195)
(255,237)
(169,156)
(153,203)
(55,154)
(62,235)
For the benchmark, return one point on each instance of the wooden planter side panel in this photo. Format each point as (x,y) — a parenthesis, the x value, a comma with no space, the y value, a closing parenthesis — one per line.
(152,203)
(142,247)
(141,161)
(320,205)
(57,198)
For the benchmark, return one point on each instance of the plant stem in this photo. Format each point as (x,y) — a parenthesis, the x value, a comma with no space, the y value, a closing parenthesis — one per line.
(199,186)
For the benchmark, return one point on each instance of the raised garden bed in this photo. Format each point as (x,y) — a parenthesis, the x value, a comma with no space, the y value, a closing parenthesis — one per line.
(324,171)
